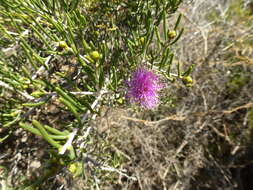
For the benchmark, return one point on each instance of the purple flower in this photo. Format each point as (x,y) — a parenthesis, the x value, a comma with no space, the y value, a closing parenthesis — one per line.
(143,88)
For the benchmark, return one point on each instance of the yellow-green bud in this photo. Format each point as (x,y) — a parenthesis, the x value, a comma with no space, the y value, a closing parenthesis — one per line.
(72,168)
(14,114)
(187,80)
(142,40)
(75,169)
(172,34)
(96,33)
(95,55)
(37,94)
(62,45)
(120,101)
(25,86)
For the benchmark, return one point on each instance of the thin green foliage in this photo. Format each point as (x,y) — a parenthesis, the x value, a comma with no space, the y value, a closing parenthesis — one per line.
(76,55)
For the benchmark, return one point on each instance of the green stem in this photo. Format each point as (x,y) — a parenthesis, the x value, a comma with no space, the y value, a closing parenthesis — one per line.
(55,131)
(71,108)
(44,133)
(37,132)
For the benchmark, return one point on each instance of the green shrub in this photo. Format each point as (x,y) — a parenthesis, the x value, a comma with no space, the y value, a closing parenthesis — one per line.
(70,58)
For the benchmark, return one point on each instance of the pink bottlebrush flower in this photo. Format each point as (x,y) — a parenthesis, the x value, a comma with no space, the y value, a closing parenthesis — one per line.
(143,88)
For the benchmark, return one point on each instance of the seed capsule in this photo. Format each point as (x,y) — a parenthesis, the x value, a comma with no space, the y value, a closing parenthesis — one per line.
(95,55)
(172,34)
(187,80)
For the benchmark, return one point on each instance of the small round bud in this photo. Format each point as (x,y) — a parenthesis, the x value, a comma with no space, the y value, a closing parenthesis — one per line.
(142,40)
(62,45)
(37,94)
(75,169)
(189,85)
(14,114)
(72,168)
(95,55)
(172,34)
(187,80)
(96,33)
(25,86)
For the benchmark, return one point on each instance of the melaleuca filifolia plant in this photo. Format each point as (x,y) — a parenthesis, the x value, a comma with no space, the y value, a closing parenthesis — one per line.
(70,57)
(136,35)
